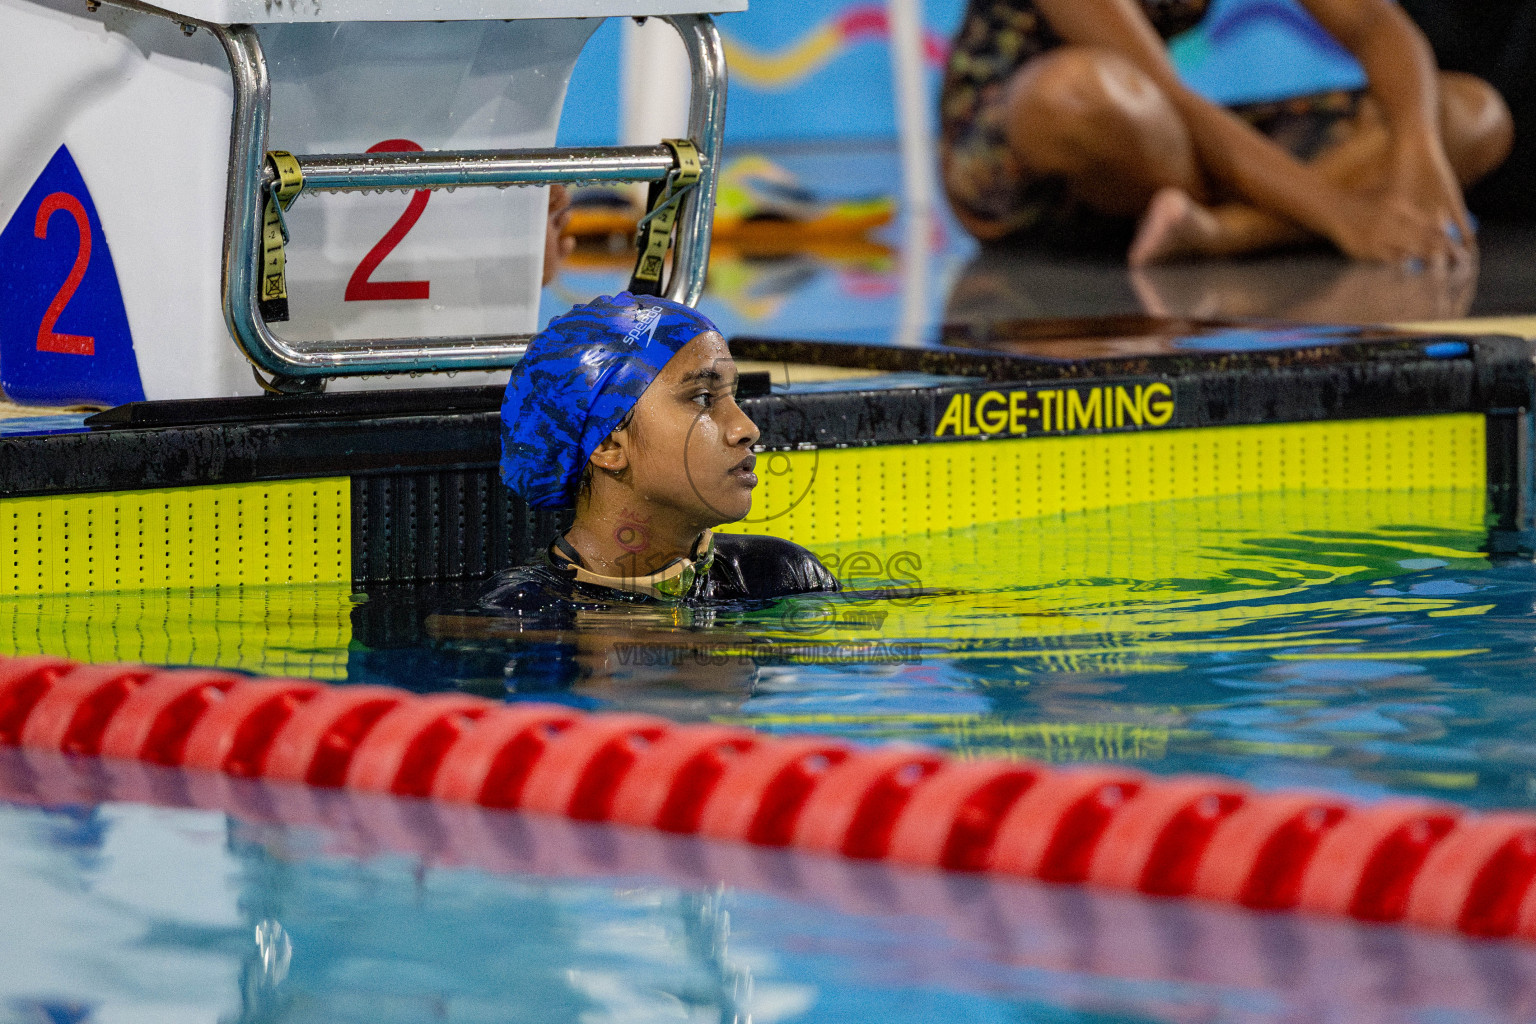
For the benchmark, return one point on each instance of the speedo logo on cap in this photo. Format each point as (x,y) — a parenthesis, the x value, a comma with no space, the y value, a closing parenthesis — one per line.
(645,326)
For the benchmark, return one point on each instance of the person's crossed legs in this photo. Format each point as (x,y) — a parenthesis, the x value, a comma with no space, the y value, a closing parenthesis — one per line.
(1092,118)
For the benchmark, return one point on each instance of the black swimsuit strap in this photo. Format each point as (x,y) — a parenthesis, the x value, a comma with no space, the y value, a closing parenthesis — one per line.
(564,547)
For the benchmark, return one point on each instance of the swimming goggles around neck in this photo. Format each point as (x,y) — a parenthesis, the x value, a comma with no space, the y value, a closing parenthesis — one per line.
(672,582)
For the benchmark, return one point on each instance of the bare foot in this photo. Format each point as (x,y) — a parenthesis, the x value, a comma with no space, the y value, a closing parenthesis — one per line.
(1174,227)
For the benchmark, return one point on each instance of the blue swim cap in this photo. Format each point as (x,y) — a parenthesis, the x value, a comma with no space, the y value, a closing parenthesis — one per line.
(578,380)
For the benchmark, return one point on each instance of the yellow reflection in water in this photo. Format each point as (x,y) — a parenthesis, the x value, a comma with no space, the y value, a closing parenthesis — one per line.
(1144,581)
(1064,601)
(300,631)
(1060,602)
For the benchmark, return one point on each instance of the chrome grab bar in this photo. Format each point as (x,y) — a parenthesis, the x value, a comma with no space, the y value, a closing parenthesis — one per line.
(304,366)
(366,172)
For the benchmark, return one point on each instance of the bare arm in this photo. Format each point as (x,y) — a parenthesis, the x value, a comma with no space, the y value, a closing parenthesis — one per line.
(1236,155)
(1400,68)
(1397,59)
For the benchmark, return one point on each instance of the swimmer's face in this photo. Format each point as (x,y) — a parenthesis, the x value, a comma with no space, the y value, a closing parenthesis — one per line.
(689,444)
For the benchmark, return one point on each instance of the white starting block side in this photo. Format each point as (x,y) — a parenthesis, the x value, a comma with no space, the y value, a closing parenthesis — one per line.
(114,174)
(264,12)
(428,264)
(129,119)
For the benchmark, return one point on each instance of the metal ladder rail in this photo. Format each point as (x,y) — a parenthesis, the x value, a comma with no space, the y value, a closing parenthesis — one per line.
(304,366)
(434,169)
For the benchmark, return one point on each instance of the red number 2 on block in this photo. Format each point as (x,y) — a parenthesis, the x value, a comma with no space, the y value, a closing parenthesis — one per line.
(49,340)
(359,287)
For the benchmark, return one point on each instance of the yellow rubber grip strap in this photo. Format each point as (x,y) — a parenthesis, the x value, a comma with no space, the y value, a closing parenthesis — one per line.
(655,236)
(274,234)
(689,166)
(290,177)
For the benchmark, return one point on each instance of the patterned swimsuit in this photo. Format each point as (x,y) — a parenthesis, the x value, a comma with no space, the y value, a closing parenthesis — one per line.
(994,197)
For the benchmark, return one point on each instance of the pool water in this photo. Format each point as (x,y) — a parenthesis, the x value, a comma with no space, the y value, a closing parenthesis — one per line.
(177,913)
(1354,641)
(1358,641)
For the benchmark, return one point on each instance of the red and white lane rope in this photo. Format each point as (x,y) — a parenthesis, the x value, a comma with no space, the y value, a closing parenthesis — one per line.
(1402,860)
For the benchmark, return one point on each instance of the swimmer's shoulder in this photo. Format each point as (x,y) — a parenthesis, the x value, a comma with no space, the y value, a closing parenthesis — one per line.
(528,589)
(545,591)
(764,568)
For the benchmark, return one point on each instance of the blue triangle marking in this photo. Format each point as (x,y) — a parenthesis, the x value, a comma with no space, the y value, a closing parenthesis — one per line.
(33,274)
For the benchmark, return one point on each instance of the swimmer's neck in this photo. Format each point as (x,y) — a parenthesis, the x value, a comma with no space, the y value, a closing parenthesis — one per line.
(632,540)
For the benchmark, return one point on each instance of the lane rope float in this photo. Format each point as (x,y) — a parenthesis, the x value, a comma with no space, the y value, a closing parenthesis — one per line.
(273,299)
(1407,861)
(653,236)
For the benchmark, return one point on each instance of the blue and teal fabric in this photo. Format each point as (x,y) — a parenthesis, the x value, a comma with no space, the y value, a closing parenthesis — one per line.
(578,380)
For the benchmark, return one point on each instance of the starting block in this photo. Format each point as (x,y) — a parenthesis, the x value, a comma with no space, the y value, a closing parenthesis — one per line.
(140,201)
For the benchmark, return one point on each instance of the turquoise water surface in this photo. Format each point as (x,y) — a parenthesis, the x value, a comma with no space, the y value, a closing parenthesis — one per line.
(1357,642)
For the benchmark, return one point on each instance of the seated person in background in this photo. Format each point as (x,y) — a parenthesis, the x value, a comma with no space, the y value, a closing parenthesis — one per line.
(625,407)
(1065,117)
(1496,41)
(558,245)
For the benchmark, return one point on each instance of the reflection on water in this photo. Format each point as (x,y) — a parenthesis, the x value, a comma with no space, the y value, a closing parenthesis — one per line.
(1358,641)
(165,915)
(1319,290)
(300,631)
(274,903)
(1316,287)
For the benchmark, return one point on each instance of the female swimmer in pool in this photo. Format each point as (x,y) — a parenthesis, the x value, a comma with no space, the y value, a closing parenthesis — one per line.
(625,407)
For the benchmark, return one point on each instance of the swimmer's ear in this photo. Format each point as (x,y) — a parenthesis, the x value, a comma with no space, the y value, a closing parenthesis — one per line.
(612,453)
